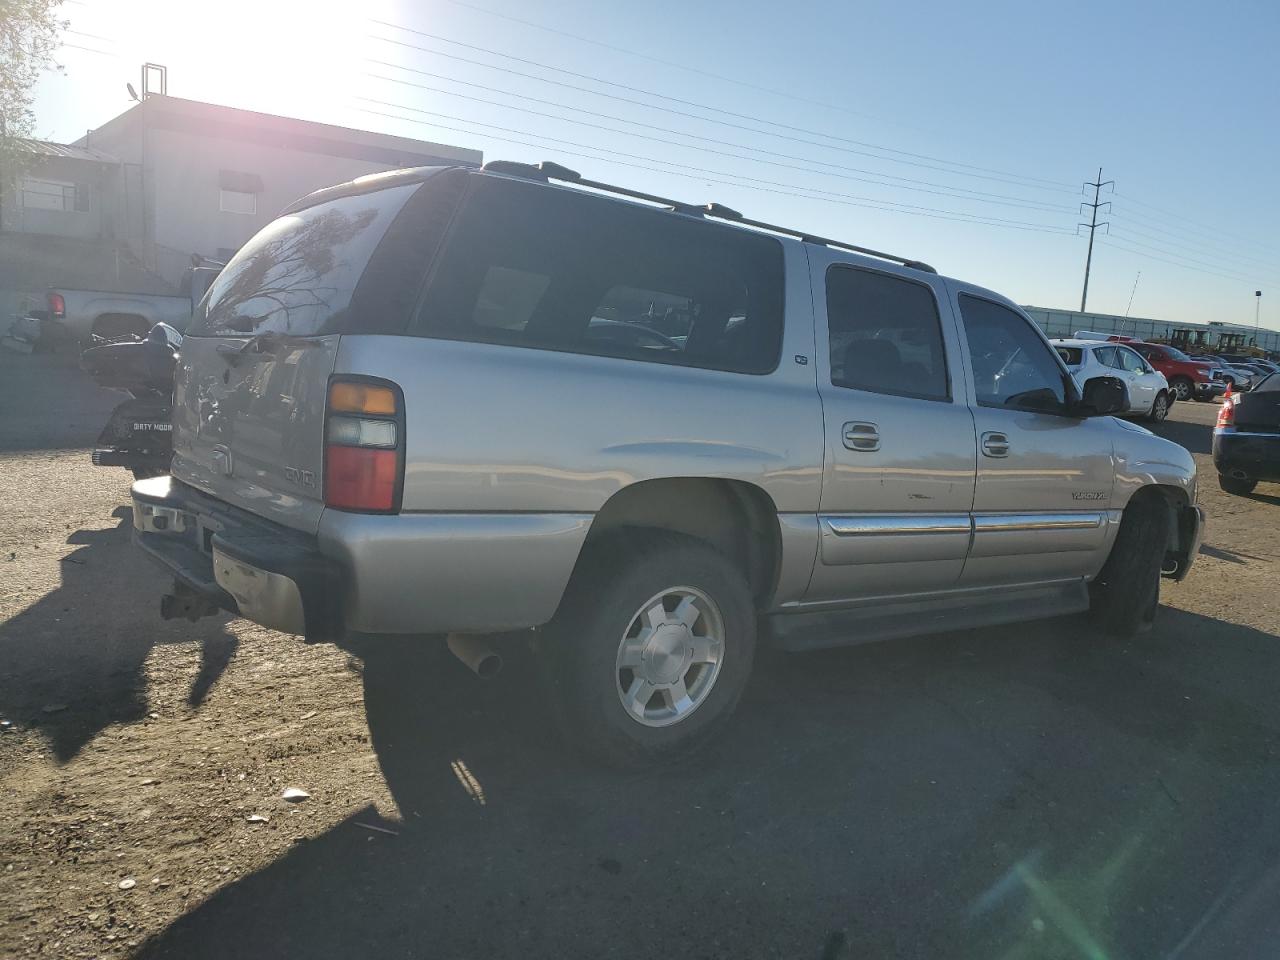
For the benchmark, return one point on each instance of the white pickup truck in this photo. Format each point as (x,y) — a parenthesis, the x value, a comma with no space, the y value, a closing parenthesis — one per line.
(81,314)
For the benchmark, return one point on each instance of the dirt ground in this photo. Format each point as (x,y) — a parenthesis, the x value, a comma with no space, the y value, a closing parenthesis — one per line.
(1031,791)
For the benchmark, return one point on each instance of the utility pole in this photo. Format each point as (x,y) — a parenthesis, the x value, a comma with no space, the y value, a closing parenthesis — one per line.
(1093,225)
(1257,308)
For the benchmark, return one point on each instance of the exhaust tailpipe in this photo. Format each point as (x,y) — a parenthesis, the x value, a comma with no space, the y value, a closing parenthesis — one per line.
(480,658)
(1239,475)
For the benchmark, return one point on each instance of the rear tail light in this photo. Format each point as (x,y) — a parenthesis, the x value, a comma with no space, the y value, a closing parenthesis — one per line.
(364,446)
(57,306)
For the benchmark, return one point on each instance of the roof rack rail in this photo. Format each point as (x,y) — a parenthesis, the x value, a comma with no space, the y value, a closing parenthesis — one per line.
(547,171)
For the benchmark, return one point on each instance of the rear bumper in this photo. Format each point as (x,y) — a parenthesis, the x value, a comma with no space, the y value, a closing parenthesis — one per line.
(1255,455)
(259,570)
(1211,388)
(403,573)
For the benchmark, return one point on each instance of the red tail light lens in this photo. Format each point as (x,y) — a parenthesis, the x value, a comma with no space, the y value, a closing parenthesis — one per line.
(356,478)
(57,305)
(364,446)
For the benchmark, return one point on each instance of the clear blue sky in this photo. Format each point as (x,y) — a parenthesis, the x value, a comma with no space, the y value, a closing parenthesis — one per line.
(1176,101)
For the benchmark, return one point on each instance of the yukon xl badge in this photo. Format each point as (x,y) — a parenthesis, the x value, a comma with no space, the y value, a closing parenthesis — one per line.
(1087,495)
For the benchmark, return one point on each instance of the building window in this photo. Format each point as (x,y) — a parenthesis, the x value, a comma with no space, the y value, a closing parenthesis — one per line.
(237,201)
(41,194)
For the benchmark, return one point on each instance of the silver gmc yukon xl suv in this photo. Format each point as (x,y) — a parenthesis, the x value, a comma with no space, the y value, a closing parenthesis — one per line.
(471,401)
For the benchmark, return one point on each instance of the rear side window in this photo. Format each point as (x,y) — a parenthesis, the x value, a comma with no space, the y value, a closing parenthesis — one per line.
(1071,356)
(553,269)
(884,335)
(296,275)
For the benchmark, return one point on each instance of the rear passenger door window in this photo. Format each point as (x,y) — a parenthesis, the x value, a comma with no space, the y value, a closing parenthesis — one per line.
(1131,361)
(548,268)
(884,335)
(1107,357)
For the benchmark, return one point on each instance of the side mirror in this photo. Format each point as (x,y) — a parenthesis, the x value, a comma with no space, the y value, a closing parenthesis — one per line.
(1102,397)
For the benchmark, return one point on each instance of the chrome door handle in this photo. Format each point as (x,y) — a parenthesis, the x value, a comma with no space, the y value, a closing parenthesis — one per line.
(861,436)
(995,444)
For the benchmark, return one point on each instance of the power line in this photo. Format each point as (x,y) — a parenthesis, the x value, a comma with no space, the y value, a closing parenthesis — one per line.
(91,36)
(874,204)
(666,63)
(101,53)
(1231,261)
(1180,256)
(843,174)
(955,191)
(1111,242)
(1161,213)
(1033,182)
(1173,238)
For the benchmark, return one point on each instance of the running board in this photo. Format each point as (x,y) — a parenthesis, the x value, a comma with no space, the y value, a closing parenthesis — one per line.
(941,613)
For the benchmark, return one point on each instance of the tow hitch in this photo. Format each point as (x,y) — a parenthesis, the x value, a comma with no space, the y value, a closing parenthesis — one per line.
(185,603)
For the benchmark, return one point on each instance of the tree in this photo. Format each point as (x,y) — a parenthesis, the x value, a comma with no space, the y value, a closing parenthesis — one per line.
(29,31)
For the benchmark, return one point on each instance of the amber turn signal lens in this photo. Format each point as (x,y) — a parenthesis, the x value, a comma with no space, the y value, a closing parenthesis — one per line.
(361,398)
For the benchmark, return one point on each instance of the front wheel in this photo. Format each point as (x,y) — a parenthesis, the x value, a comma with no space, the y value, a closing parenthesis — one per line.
(651,648)
(1125,595)
(1240,486)
(1182,388)
(1160,408)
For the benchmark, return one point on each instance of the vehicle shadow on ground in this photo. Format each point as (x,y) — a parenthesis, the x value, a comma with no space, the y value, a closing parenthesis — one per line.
(1017,792)
(71,683)
(1196,437)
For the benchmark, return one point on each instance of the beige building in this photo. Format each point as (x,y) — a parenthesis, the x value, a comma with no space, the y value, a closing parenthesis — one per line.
(127,206)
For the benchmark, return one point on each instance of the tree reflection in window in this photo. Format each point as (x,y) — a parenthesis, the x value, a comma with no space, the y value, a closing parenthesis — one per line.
(296,276)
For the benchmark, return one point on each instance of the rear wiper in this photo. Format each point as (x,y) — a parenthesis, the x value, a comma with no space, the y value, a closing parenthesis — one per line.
(268,342)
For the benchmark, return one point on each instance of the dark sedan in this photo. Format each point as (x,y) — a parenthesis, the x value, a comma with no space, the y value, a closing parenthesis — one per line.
(1246,441)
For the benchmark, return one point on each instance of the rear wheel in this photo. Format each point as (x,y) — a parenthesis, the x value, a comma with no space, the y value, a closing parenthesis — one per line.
(1125,595)
(1182,388)
(1241,486)
(652,647)
(1160,408)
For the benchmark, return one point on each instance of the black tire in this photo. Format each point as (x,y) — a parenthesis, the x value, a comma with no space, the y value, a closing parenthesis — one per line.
(1240,487)
(1125,595)
(614,579)
(1182,388)
(1159,408)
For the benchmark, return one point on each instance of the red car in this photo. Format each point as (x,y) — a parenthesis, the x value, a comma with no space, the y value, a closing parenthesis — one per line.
(1187,378)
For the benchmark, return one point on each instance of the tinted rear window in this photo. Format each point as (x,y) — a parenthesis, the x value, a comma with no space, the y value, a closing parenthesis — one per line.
(552,269)
(297,274)
(1071,356)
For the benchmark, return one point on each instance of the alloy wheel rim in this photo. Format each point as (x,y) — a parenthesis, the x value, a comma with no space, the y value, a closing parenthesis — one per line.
(669,656)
